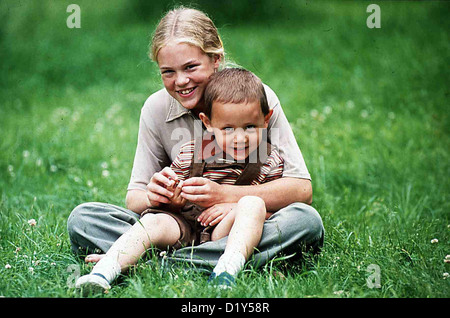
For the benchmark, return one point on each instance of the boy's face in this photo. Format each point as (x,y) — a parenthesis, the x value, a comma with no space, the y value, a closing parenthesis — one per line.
(237,128)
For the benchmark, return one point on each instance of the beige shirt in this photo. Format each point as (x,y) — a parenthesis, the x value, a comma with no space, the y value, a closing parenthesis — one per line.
(165,126)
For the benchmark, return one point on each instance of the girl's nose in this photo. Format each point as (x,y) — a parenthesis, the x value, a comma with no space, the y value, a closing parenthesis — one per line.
(182,80)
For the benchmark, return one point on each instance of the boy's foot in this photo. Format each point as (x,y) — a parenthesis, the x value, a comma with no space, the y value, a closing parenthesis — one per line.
(93,258)
(223,280)
(92,284)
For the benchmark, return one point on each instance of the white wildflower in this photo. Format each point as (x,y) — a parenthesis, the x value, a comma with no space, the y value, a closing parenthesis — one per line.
(104,165)
(25,153)
(314,113)
(75,116)
(105,173)
(434,241)
(350,104)
(32,222)
(327,110)
(53,168)
(98,126)
(90,183)
(7,266)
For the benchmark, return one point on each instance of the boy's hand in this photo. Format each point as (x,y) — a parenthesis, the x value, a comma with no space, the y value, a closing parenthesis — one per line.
(177,202)
(203,192)
(215,214)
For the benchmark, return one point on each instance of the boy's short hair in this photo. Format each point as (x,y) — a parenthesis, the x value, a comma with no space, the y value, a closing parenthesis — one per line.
(235,85)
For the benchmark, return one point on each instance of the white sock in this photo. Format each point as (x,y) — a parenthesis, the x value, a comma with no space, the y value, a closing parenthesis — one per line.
(108,267)
(230,262)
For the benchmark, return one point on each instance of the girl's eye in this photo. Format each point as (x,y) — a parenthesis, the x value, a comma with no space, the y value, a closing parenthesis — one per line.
(166,72)
(250,128)
(191,67)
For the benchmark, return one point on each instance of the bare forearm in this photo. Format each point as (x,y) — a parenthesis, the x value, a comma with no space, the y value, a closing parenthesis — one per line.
(137,201)
(276,194)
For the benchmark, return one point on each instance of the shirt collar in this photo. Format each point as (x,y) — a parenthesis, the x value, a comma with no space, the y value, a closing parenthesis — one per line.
(176,110)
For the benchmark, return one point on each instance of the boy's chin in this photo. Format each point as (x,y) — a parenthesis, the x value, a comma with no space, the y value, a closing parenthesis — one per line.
(240,156)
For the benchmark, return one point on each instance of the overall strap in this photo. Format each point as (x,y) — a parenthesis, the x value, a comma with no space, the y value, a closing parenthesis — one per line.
(197,162)
(252,170)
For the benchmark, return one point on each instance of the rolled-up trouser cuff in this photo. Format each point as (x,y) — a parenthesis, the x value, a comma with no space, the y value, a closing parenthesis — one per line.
(95,226)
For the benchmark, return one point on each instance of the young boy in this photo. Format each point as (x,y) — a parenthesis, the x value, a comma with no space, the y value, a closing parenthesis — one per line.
(233,151)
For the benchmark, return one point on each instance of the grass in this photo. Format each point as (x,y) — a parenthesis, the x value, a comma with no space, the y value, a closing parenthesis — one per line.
(369,108)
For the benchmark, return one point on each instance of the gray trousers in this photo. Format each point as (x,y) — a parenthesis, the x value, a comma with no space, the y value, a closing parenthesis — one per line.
(96,226)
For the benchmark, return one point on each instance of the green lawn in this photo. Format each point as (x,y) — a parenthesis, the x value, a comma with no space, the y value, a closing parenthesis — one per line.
(369,108)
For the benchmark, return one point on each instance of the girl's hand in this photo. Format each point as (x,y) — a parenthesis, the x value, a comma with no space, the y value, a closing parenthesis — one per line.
(158,191)
(202,191)
(215,214)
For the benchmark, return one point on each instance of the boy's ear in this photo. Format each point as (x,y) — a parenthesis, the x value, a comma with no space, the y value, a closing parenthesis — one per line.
(205,121)
(267,118)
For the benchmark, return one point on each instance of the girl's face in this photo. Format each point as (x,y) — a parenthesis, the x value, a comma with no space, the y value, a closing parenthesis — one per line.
(185,71)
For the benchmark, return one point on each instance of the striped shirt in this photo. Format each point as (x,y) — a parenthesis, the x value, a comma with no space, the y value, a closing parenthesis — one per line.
(271,169)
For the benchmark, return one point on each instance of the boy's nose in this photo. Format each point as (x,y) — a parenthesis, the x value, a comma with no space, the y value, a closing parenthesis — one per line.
(240,136)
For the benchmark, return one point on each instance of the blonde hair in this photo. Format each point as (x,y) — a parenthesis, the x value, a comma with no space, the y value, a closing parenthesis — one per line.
(185,25)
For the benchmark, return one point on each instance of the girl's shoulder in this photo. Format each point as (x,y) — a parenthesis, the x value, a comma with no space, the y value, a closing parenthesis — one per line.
(272,98)
(158,100)
(157,107)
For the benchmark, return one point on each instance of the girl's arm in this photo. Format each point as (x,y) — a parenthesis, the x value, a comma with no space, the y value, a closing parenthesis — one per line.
(276,194)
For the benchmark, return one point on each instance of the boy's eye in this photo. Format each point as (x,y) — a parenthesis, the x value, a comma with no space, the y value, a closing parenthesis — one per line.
(228,130)
(250,128)
(166,72)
